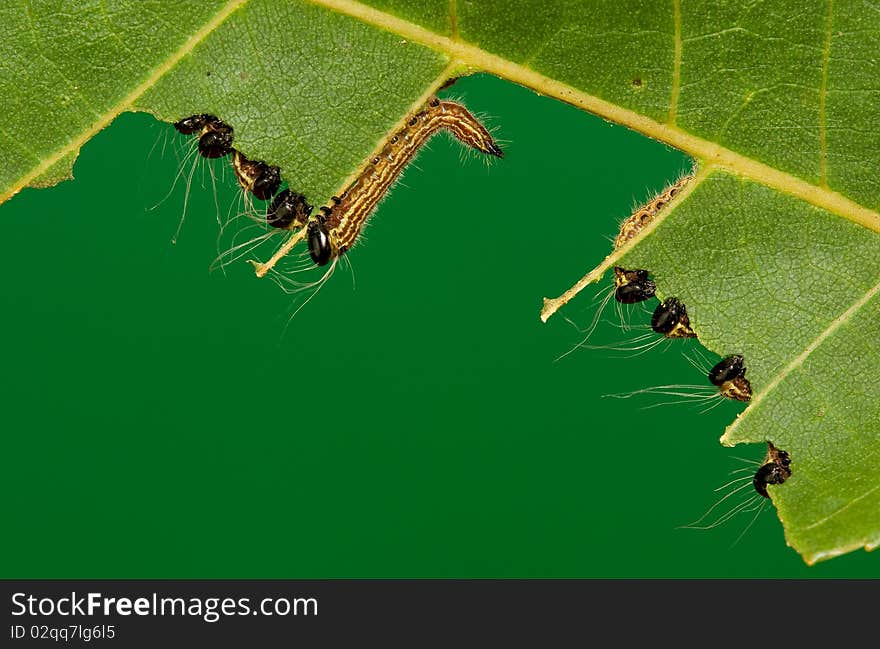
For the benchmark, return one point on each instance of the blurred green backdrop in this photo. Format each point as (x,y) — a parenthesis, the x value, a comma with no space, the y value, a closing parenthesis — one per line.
(160,422)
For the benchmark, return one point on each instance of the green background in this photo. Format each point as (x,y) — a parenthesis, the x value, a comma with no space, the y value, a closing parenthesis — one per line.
(159,421)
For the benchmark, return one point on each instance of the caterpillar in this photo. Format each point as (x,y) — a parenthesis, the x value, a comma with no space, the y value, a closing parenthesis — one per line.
(729,376)
(639,219)
(215,136)
(669,319)
(215,141)
(775,469)
(339,223)
(255,176)
(345,216)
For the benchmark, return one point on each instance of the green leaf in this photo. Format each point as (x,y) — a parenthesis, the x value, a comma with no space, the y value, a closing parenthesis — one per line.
(773,247)
(308,89)
(793,289)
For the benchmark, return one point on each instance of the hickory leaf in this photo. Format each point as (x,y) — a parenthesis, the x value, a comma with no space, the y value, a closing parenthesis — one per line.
(773,246)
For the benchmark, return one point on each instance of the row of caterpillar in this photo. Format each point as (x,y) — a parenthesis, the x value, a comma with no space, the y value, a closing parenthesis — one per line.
(215,141)
(335,228)
(670,319)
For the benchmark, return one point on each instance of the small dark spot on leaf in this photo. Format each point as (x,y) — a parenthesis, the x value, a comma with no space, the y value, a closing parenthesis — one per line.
(637,82)
(208,73)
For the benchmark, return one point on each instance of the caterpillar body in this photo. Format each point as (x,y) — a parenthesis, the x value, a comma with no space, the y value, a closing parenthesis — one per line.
(339,223)
(344,217)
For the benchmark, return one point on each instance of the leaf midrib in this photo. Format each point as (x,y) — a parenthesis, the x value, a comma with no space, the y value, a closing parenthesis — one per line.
(841,509)
(710,153)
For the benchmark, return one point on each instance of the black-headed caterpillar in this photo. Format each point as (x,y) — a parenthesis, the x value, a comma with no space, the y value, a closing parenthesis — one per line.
(727,380)
(256,178)
(775,469)
(669,319)
(641,217)
(215,141)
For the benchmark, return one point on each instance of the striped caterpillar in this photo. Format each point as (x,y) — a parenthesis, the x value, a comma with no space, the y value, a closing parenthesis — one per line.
(338,224)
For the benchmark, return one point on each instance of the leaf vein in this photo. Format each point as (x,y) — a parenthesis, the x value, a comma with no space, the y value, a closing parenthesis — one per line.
(841,509)
(798,361)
